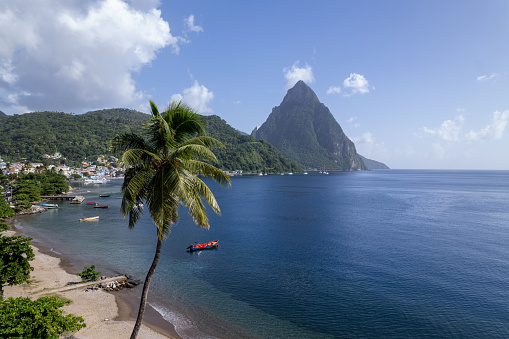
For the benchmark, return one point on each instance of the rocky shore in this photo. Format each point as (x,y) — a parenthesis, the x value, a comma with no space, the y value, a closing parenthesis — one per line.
(33,210)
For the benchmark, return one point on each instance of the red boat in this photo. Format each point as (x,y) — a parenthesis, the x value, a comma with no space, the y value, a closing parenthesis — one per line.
(91,203)
(198,247)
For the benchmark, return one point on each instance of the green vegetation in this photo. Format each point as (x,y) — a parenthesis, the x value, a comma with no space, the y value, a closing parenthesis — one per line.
(29,188)
(162,167)
(5,210)
(244,152)
(88,274)
(76,137)
(80,137)
(15,254)
(3,227)
(24,318)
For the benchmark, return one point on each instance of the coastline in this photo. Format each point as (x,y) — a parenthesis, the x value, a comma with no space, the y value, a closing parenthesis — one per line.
(107,314)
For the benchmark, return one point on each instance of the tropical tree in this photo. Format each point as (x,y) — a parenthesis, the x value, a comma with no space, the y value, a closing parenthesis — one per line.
(15,254)
(5,210)
(162,167)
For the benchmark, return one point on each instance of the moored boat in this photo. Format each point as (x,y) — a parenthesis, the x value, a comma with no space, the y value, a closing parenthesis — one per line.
(208,245)
(103,195)
(90,219)
(97,206)
(91,203)
(49,205)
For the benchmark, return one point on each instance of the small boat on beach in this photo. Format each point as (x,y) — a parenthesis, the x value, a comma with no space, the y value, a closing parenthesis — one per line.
(205,246)
(103,195)
(97,206)
(90,219)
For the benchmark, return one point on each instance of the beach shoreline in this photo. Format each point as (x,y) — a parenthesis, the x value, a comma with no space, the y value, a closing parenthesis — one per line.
(107,314)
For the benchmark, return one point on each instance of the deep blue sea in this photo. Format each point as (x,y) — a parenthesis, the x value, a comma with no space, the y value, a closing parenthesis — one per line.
(385,254)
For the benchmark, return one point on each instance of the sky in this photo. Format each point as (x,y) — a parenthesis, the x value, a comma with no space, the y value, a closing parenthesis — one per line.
(420,84)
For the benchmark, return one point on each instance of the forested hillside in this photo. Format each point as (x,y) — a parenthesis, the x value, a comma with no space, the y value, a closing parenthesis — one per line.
(244,152)
(88,135)
(76,137)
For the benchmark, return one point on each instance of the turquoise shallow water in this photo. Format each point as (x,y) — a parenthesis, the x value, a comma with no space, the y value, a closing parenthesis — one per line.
(366,254)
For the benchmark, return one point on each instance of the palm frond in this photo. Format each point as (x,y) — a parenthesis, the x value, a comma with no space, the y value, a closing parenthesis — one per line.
(209,171)
(137,156)
(127,140)
(205,141)
(198,152)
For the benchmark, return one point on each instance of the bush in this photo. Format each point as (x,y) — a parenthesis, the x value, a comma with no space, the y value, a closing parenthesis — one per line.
(20,205)
(15,254)
(3,227)
(88,274)
(5,210)
(25,318)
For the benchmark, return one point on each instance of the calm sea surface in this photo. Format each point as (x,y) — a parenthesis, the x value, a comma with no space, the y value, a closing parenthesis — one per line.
(392,253)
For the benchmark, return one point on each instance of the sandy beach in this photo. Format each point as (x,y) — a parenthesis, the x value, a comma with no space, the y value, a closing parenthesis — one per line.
(106,314)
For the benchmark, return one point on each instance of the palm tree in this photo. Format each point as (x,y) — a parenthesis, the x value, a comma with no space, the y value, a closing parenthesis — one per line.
(162,164)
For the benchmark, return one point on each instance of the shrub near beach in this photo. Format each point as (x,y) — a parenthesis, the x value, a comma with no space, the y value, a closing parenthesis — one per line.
(88,274)
(41,318)
(23,317)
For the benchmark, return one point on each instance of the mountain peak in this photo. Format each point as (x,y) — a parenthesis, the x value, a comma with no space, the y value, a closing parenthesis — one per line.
(300,94)
(305,131)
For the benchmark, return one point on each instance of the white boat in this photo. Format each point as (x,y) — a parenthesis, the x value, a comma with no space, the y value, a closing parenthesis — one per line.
(96,181)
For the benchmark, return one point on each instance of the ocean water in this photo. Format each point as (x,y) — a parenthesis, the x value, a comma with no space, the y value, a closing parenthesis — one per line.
(394,254)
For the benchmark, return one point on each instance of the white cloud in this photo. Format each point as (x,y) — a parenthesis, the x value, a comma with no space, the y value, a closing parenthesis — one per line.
(196,96)
(449,130)
(368,146)
(76,55)
(484,78)
(452,130)
(493,131)
(144,5)
(334,90)
(366,138)
(296,73)
(351,120)
(191,26)
(357,83)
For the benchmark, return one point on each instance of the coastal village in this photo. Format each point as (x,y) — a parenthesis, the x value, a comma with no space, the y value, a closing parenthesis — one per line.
(103,167)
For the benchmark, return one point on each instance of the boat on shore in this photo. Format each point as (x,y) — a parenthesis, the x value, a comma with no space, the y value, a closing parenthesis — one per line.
(205,246)
(90,219)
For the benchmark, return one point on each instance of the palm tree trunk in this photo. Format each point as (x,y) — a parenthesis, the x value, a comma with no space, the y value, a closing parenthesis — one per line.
(146,285)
